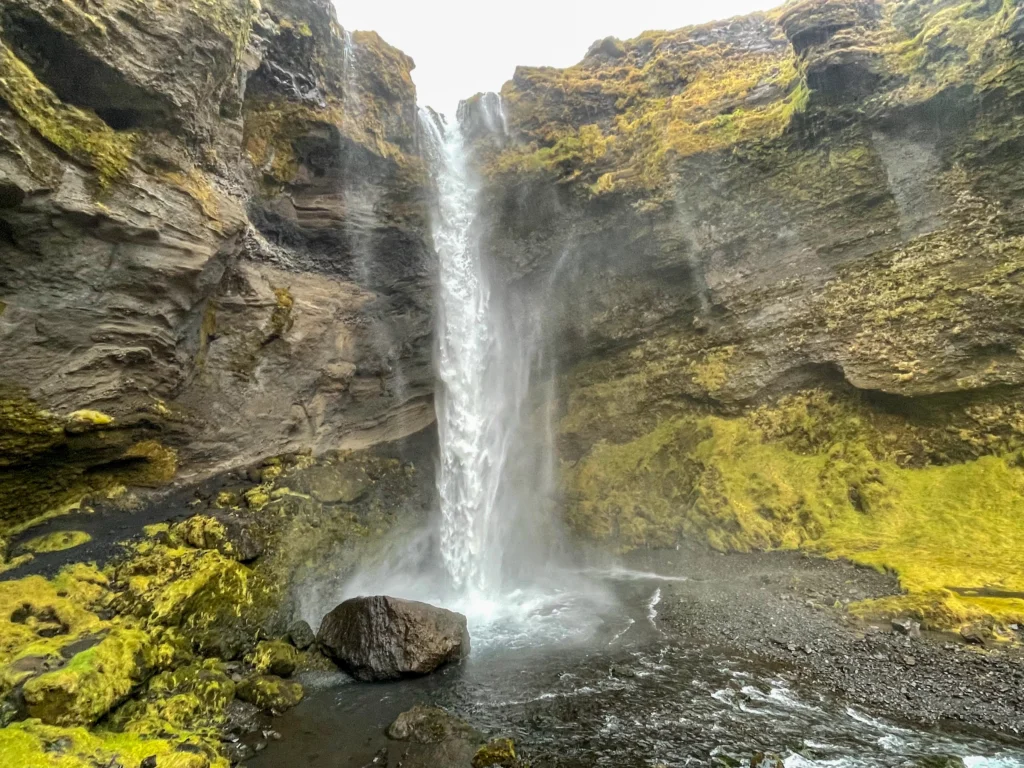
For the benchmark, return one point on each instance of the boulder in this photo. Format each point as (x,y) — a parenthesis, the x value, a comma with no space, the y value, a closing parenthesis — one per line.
(386,638)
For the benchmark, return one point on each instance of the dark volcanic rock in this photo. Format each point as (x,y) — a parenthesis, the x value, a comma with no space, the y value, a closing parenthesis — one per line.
(301,635)
(385,638)
(431,725)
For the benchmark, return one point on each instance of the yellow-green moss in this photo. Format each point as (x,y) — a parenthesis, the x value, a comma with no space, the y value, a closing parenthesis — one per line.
(684,99)
(275,658)
(44,607)
(498,752)
(57,541)
(712,370)
(31,744)
(193,699)
(269,692)
(90,418)
(80,134)
(93,681)
(811,474)
(26,429)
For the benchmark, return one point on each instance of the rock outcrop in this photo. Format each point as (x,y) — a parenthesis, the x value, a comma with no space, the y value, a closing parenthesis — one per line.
(387,638)
(791,248)
(213,236)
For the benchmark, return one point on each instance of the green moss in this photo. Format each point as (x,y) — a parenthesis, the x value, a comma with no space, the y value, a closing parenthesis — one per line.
(712,370)
(498,752)
(192,699)
(270,693)
(26,430)
(31,744)
(58,541)
(275,658)
(813,473)
(671,98)
(210,598)
(93,681)
(80,134)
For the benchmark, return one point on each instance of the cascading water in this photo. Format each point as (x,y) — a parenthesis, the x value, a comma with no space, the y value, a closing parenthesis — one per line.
(496,553)
(484,382)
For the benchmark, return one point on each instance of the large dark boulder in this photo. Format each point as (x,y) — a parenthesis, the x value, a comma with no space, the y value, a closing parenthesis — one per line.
(385,638)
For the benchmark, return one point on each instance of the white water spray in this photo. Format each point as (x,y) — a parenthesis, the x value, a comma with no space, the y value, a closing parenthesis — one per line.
(493,475)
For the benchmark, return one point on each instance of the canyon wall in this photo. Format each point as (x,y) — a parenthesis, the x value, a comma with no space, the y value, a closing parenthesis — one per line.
(214,239)
(788,259)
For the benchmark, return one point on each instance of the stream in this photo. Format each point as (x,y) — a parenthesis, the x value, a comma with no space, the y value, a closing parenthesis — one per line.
(602,679)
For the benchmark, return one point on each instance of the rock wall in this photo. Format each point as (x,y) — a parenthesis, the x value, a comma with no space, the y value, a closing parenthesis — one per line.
(789,266)
(214,242)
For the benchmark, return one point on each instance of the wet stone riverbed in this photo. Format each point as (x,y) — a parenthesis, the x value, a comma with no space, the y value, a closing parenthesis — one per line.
(637,671)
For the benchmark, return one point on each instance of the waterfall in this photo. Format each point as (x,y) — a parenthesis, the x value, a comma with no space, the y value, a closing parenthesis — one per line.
(492,477)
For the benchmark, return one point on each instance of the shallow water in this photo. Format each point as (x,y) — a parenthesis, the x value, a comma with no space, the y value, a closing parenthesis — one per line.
(596,677)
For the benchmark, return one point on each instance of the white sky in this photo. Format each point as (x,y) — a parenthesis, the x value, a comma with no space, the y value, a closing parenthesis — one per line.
(465,46)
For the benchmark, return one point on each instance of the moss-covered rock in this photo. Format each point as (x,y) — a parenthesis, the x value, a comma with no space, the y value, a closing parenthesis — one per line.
(191,699)
(210,598)
(269,692)
(498,752)
(93,682)
(275,658)
(31,744)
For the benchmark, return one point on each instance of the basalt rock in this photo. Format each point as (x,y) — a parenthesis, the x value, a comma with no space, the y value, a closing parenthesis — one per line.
(196,200)
(764,223)
(386,638)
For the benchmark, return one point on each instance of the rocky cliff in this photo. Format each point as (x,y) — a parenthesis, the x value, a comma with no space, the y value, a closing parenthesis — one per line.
(214,242)
(791,268)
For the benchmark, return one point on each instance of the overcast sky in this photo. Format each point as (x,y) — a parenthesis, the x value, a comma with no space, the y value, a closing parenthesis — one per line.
(465,46)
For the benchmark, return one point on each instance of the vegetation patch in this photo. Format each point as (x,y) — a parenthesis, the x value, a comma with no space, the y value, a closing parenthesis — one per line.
(80,134)
(812,473)
(58,541)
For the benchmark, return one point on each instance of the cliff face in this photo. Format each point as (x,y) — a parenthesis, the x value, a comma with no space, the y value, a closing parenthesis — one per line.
(793,268)
(214,242)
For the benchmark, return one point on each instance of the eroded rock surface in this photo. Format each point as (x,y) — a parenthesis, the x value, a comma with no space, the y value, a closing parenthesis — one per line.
(213,234)
(782,259)
(386,638)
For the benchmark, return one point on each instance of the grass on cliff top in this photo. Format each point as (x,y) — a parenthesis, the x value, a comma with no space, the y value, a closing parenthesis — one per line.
(779,479)
(675,105)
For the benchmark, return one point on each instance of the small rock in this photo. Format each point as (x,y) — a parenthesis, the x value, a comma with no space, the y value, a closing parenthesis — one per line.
(973,634)
(269,693)
(910,661)
(430,725)
(275,658)
(301,635)
(499,752)
(149,762)
(907,627)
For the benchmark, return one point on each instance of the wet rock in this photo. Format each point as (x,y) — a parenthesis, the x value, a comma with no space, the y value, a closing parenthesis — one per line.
(385,638)
(275,658)
(301,635)
(93,682)
(231,536)
(975,634)
(269,692)
(333,483)
(906,626)
(431,725)
(498,752)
